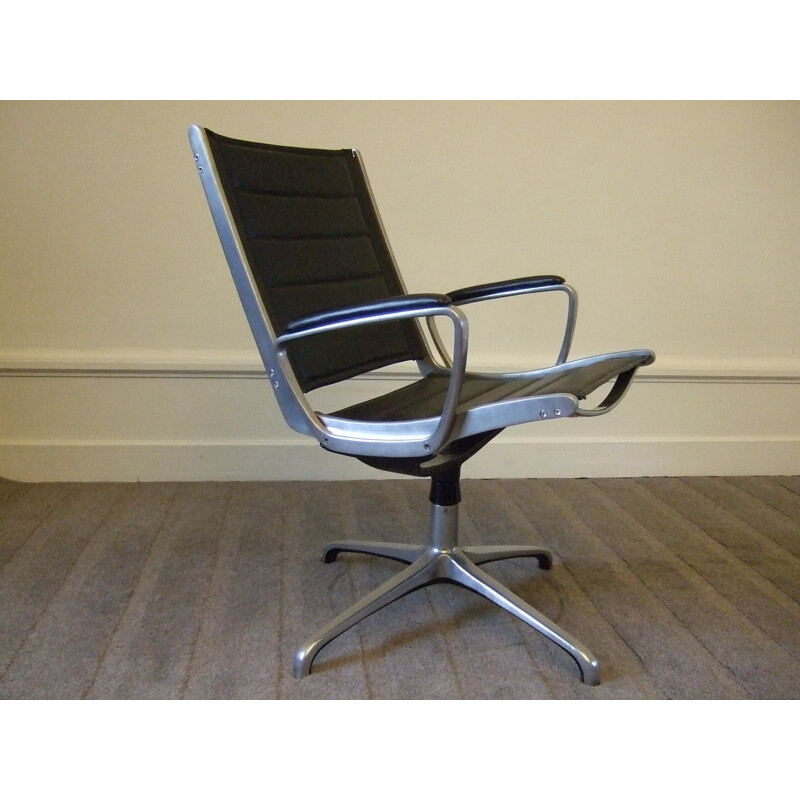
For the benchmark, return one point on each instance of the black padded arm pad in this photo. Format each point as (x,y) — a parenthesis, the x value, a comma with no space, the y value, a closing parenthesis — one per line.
(413,303)
(485,291)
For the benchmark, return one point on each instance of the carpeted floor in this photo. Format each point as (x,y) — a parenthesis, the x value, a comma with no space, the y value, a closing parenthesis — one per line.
(683,588)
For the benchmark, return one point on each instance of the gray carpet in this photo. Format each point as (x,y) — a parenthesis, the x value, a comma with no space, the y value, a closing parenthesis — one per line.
(683,588)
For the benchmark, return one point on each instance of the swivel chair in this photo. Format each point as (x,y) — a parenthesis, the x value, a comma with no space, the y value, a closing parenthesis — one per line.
(325,302)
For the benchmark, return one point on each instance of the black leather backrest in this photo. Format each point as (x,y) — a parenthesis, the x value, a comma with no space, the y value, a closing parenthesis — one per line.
(314,242)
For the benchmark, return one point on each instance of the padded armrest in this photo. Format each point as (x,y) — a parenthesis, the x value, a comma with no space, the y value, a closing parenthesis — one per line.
(485,291)
(411,303)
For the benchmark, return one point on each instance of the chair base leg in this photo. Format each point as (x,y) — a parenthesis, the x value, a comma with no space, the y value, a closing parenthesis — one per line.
(443,560)
(409,553)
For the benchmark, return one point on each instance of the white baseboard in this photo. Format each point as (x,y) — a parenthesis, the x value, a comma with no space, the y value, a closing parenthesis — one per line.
(267,461)
(99,416)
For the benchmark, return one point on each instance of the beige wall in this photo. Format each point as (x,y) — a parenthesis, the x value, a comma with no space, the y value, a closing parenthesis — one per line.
(124,353)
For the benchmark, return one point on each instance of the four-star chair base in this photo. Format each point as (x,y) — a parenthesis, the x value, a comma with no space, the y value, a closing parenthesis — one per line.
(442,559)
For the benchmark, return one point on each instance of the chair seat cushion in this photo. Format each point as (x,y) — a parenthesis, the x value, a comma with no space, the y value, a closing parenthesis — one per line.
(425,398)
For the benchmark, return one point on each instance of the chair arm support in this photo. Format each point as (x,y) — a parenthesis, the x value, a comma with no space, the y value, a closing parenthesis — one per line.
(509,288)
(615,394)
(396,308)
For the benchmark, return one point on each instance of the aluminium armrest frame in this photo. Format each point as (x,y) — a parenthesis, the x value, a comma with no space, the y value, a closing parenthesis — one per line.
(414,438)
(510,288)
